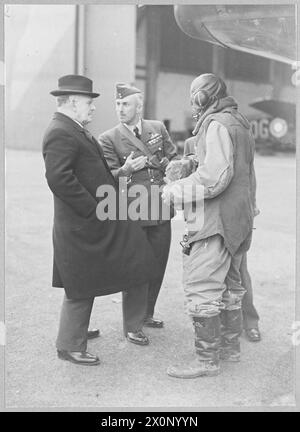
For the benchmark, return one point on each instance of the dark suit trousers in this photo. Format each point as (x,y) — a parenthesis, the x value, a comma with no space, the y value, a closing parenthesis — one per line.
(74,323)
(250,315)
(159,236)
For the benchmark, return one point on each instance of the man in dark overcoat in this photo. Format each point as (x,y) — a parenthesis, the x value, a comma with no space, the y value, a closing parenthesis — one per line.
(92,257)
(139,151)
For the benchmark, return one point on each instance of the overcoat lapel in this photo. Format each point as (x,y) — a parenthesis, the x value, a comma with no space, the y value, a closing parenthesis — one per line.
(84,136)
(94,142)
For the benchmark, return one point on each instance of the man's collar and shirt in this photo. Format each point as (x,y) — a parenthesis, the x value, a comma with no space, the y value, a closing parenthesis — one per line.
(135,129)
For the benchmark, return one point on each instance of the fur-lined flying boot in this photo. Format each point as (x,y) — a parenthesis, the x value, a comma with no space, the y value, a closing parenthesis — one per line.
(231,330)
(207,343)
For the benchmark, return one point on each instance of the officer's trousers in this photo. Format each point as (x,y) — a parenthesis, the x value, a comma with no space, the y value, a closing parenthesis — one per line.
(159,236)
(250,315)
(211,278)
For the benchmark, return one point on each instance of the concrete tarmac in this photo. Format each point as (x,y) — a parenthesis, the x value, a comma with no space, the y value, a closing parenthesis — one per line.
(133,377)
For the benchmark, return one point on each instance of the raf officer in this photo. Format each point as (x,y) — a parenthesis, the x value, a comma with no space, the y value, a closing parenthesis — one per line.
(140,150)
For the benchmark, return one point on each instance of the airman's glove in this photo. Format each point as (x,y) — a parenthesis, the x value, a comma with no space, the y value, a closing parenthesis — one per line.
(178,169)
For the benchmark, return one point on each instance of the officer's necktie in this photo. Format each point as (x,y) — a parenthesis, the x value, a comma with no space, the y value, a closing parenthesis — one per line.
(136,133)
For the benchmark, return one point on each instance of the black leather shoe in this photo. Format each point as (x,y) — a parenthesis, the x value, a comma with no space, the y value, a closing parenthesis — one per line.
(93,333)
(253,334)
(152,322)
(81,358)
(138,338)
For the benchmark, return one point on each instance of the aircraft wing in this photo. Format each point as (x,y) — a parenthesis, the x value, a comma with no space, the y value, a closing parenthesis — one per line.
(276,108)
(265,30)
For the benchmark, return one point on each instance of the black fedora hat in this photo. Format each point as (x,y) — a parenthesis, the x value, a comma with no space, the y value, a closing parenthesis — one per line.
(74,84)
